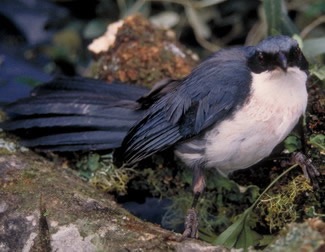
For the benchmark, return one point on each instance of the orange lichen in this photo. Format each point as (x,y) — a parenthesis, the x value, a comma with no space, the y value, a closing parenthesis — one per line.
(144,54)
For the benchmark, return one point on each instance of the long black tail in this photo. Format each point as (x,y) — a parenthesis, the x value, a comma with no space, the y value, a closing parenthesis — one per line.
(71,114)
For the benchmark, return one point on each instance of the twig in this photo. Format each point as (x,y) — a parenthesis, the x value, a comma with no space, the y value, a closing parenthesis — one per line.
(187,3)
(256,33)
(204,4)
(196,5)
(135,8)
(205,43)
(312,26)
(181,2)
(192,17)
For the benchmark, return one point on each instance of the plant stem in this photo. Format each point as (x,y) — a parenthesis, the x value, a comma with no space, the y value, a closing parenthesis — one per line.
(272,183)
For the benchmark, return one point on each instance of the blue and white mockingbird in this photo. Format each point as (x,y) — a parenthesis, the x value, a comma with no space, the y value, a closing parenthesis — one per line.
(228,114)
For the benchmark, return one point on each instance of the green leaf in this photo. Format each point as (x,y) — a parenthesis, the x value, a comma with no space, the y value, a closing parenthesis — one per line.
(272,10)
(239,234)
(221,181)
(314,47)
(277,18)
(292,143)
(319,72)
(197,22)
(86,174)
(95,28)
(287,26)
(318,141)
(267,239)
(187,176)
(315,9)
(132,7)
(166,19)
(207,235)
(252,192)
(299,40)
(93,162)
(207,3)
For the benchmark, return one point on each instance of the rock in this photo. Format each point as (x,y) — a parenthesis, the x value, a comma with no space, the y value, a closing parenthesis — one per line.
(45,207)
(305,237)
(135,51)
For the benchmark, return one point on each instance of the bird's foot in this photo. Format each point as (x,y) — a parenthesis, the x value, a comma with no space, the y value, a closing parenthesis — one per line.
(191,224)
(310,171)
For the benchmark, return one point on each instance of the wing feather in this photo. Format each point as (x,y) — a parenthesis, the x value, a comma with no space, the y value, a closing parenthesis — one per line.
(210,94)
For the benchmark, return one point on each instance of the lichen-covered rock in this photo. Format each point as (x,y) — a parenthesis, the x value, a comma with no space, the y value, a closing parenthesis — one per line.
(135,51)
(10,146)
(45,207)
(300,237)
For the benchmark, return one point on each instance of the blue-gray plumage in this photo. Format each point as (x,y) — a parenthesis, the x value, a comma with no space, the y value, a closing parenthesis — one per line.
(210,94)
(228,114)
(207,96)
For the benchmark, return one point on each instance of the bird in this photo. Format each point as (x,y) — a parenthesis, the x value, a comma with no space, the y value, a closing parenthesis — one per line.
(228,114)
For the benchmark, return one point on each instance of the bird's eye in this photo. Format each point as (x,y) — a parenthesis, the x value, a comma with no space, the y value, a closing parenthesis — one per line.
(260,56)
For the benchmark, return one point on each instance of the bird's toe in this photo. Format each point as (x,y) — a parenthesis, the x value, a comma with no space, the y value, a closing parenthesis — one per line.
(191,224)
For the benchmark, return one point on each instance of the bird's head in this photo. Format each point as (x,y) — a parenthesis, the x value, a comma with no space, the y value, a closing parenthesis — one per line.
(276,52)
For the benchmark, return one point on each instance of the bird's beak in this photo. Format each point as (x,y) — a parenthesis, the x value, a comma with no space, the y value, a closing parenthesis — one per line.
(283,63)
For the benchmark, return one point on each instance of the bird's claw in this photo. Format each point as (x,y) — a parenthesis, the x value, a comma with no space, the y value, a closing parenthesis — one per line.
(191,224)
(310,171)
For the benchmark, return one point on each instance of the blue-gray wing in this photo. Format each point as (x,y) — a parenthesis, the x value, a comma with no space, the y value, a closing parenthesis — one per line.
(210,94)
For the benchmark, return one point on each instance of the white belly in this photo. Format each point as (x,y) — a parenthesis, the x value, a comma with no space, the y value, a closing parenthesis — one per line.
(274,108)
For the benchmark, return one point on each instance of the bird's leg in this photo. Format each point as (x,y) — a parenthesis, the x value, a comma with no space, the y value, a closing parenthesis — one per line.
(191,224)
(310,171)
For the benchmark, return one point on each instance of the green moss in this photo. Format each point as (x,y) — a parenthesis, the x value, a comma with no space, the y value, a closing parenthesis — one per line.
(3,116)
(281,207)
(5,151)
(7,147)
(94,69)
(103,174)
(30,173)
(221,202)
(112,179)
(9,144)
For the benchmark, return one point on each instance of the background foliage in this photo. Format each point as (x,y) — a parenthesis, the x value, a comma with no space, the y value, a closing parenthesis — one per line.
(43,37)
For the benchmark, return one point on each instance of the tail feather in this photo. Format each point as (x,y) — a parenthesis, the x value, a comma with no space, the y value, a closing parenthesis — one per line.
(78,138)
(69,121)
(120,91)
(70,114)
(75,96)
(79,147)
(27,109)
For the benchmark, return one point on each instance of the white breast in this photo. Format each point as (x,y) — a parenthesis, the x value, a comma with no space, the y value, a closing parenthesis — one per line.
(277,101)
